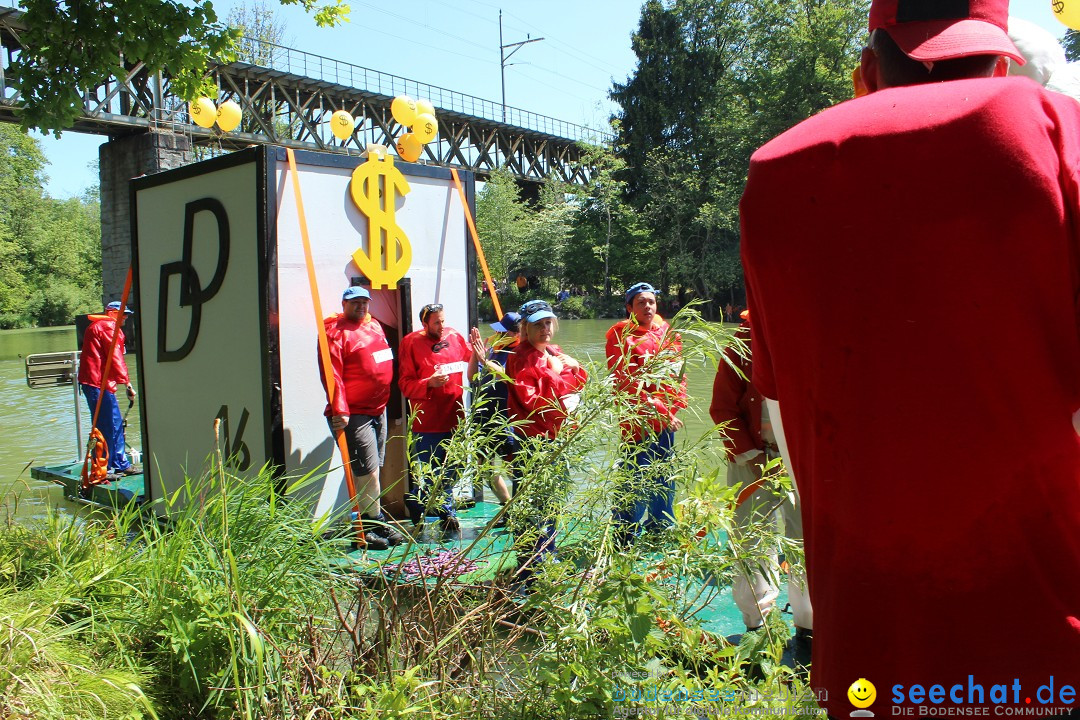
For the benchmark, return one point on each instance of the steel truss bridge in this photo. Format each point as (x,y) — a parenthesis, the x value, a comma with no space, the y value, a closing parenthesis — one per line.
(288,96)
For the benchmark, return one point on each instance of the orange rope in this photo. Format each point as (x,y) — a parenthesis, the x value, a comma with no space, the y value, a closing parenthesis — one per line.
(104,381)
(324,344)
(476,242)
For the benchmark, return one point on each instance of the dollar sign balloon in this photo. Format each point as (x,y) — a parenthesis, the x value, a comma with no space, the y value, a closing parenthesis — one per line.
(374,188)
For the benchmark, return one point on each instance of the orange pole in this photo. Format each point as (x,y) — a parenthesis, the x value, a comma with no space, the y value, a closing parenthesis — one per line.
(324,344)
(105,375)
(476,243)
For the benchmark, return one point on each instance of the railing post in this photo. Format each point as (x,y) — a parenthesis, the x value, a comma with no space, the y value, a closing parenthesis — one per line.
(78,410)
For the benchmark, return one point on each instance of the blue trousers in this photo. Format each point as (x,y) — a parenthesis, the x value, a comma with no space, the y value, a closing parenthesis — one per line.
(111,424)
(659,497)
(429,464)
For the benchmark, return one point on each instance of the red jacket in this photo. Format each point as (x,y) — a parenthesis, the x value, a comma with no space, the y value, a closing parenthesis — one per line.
(655,403)
(535,394)
(363,366)
(438,409)
(736,404)
(95,348)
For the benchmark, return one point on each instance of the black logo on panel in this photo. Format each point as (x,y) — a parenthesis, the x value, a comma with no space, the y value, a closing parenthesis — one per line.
(236,452)
(192,291)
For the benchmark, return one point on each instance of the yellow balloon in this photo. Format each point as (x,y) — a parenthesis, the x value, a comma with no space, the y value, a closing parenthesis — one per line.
(202,112)
(342,125)
(408,147)
(1067,12)
(425,128)
(403,108)
(229,116)
(425,107)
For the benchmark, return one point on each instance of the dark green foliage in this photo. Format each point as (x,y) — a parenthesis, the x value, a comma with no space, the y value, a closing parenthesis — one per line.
(714,81)
(1071,43)
(80,45)
(50,250)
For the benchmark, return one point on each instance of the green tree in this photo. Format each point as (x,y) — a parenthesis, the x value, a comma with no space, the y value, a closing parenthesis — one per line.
(605,191)
(547,232)
(608,244)
(1071,43)
(501,221)
(261,30)
(50,250)
(715,80)
(22,177)
(80,45)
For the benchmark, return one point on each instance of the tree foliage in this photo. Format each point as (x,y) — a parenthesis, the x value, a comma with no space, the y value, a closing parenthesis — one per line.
(715,80)
(79,45)
(501,221)
(50,250)
(261,30)
(1071,43)
(608,247)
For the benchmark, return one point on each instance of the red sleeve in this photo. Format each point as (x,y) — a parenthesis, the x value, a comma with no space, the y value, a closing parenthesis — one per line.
(119,368)
(573,380)
(663,401)
(614,349)
(728,388)
(536,388)
(763,378)
(411,384)
(670,399)
(619,365)
(337,405)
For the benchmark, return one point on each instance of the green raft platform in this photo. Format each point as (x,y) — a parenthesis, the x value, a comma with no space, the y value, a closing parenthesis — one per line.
(116,494)
(492,555)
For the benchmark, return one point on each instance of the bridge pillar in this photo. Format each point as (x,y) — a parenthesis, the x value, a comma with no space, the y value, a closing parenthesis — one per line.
(120,160)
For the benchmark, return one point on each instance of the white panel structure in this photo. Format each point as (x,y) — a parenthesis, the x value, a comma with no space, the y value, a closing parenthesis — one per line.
(228,326)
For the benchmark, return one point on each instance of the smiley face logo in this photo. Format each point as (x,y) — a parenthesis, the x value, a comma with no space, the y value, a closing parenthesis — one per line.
(862,693)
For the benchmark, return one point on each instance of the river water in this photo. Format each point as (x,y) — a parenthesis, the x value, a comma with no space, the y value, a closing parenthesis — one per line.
(37,427)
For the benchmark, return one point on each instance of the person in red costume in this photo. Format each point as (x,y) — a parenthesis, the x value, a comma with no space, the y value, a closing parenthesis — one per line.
(434,360)
(645,358)
(546,383)
(95,352)
(363,367)
(931,423)
(749,444)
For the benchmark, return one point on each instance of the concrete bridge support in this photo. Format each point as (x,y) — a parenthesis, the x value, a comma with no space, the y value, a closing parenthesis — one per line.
(120,160)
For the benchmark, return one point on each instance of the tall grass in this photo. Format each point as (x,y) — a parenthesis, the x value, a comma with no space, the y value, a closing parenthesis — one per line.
(235,607)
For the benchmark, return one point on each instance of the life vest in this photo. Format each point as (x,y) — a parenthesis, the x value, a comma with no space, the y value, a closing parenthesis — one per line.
(96,470)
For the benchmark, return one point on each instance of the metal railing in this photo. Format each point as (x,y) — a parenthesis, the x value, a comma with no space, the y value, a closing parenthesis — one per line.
(319,67)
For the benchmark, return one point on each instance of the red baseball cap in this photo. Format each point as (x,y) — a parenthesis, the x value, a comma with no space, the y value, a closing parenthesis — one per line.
(933,30)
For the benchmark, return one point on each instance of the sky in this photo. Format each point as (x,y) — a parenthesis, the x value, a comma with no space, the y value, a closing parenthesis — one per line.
(455,45)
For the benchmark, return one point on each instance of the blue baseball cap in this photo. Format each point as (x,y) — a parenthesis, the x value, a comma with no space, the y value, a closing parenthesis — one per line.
(507,323)
(639,288)
(355,293)
(536,310)
(115,305)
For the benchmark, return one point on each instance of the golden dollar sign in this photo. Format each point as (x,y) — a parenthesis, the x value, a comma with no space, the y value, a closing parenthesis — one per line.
(374,188)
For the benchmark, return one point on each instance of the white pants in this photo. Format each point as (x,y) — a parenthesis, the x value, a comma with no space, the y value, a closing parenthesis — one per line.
(754,594)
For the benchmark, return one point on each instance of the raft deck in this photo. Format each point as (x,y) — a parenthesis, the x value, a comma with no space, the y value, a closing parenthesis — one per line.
(493,554)
(115,494)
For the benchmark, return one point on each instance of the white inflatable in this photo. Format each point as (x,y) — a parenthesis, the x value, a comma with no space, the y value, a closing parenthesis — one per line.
(1046,63)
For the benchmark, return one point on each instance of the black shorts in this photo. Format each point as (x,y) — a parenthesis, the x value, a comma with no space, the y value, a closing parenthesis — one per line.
(366,438)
